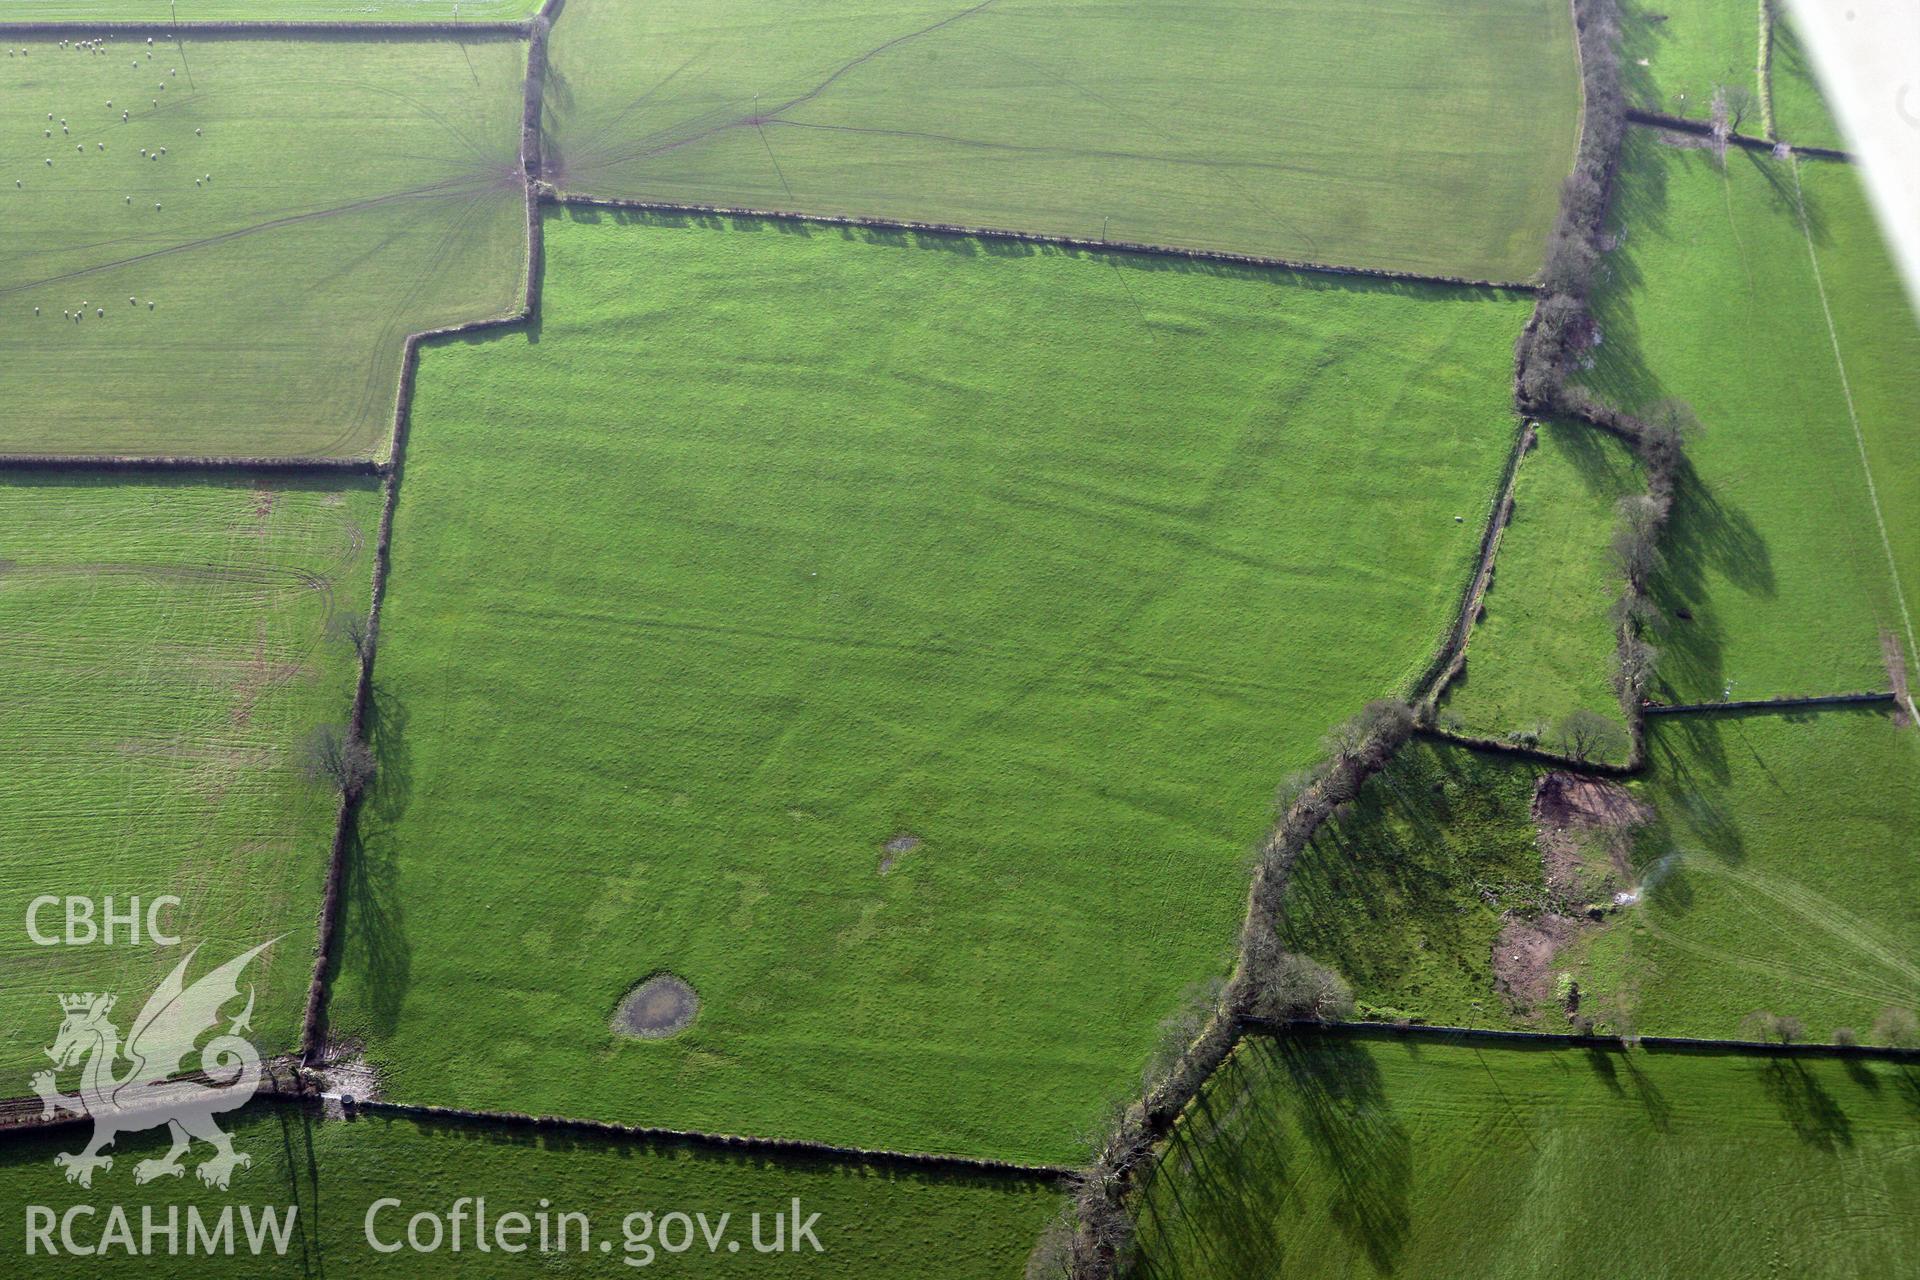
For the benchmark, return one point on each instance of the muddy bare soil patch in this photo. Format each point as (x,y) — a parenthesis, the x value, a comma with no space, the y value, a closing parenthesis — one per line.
(892,849)
(1523,957)
(1567,800)
(661,1006)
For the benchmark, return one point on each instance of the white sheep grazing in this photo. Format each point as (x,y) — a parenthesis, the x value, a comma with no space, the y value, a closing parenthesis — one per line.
(99,311)
(156,208)
(149,306)
(132,301)
(196,133)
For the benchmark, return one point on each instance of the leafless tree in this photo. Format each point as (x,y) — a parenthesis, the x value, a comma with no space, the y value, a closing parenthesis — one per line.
(1897,1029)
(356,630)
(1763,1024)
(1587,735)
(329,755)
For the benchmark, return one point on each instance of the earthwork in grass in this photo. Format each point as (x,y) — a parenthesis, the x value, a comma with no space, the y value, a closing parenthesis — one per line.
(798,540)
(1344,1156)
(1285,128)
(217,246)
(170,646)
(1794,550)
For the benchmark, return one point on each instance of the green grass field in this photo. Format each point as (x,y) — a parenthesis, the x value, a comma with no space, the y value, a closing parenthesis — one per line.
(265,10)
(317,201)
(1690,48)
(1542,648)
(165,653)
(1780,876)
(1405,894)
(1370,1157)
(798,542)
(1775,550)
(1290,128)
(1800,113)
(871,1224)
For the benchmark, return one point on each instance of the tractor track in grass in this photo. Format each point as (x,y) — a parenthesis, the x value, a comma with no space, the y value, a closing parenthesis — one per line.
(1853,417)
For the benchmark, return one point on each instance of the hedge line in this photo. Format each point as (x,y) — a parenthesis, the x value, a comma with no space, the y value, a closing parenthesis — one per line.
(1573,1040)
(313,1031)
(1451,658)
(1680,124)
(914,1161)
(1033,237)
(280,30)
(1770,704)
(125,464)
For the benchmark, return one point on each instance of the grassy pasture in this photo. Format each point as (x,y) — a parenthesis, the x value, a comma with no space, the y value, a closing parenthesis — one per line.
(1780,876)
(1289,128)
(1543,646)
(1324,1157)
(1775,549)
(1690,47)
(265,10)
(799,542)
(871,1224)
(164,653)
(1800,112)
(317,201)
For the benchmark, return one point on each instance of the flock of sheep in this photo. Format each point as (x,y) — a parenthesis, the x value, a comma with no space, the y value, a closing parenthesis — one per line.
(98,47)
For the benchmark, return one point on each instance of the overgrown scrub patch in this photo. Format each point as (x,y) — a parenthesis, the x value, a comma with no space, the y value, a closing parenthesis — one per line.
(1775,876)
(1406,890)
(1776,577)
(218,247)
(1541,650)
(332,1173)
(1286,128)
(795,540)
(169,645)
(1335,1156)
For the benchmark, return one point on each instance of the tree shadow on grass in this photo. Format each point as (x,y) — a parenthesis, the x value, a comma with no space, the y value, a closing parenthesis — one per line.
(1816,1118)
(372,927)
(1230,1185)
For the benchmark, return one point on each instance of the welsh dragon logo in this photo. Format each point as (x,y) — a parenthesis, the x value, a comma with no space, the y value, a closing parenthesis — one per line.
(151,1092)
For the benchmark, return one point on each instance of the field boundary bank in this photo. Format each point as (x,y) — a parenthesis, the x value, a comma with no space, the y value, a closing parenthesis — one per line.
(252,28)
(326,942)
(1701,129)
(778,1148)
(1451,658)
(211,464)
(567,199)
(1573,1040)
(1537,755)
